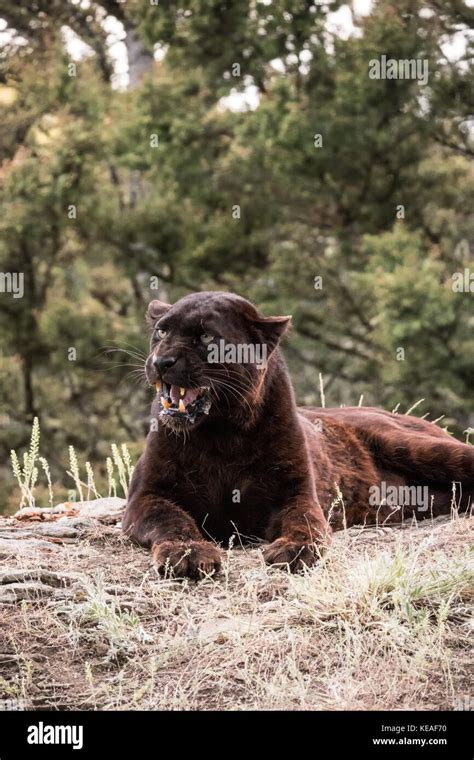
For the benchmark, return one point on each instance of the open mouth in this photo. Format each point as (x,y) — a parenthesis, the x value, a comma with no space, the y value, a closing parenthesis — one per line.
(184,404)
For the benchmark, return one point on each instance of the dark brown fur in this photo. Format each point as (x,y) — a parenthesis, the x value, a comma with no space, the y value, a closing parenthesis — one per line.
(290,465)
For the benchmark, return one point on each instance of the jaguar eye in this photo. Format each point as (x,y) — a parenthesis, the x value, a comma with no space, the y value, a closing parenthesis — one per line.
(161,333)
(206,339)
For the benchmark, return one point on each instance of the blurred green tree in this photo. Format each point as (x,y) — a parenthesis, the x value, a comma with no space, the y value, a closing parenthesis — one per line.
(340,198)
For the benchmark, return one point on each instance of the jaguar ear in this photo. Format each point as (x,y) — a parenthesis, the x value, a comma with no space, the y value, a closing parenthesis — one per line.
(155,310)
(272,329)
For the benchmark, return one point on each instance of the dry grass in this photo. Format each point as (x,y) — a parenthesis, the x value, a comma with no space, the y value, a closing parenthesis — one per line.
(383,622)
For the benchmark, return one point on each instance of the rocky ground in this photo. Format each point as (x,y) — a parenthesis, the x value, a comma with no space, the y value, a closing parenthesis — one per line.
(383,622)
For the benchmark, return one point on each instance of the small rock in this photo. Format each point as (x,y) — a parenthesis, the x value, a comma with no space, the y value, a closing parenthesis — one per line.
(37,574)
(16,592)
(108,509)
(12,547)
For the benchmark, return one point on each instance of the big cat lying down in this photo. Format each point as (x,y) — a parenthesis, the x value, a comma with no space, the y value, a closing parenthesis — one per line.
(230,452)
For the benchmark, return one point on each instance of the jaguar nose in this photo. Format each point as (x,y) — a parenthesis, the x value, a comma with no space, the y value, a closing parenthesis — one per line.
(163,363)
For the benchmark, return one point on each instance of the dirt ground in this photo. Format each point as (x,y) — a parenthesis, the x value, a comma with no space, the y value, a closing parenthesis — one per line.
(383,622)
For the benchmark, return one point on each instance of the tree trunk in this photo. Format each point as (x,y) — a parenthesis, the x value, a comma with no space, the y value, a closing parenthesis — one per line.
(30,408)
(140,60)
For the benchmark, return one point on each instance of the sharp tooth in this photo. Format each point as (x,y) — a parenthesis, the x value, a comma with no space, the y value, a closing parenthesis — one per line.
(181,406)
(166,404)
(182,391)
(158,387)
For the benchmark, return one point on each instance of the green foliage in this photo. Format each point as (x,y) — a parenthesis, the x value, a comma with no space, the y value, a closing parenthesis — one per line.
(105,191)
